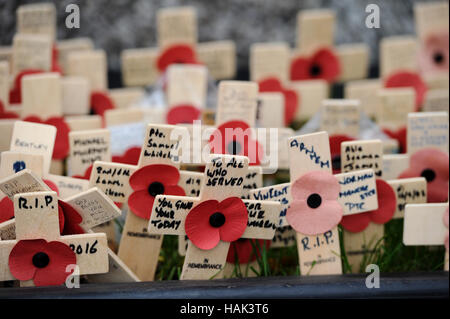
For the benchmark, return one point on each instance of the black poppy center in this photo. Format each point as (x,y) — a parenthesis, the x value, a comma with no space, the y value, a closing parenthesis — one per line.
(156,188)
(336,162)
(41,260)
(314,200)
(438,57)
(429,174)
(217,219)
(234,148)
(315,70)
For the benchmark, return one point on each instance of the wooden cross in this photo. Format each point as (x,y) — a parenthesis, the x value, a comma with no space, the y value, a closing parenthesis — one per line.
(37,18)
(90,64)
(312,93)
(37,218)
(357,194)
(358,155)
(430,18)
(269,60)
(31,52)
(427,129)
(424,225)
(398,53)
(341,116)
(138,249)
(354,61)
(408,191)
(66,46)
(395,104)
(366,91)
(75,95)
(177,26)
(224,176)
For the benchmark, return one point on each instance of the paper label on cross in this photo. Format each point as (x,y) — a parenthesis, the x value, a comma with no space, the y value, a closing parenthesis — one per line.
(24,181)
(237,100)
(31,52)
(408,191)
(68,186)
(428,130)
(37,218)
(86,147)
(219,57)
(358,155)
(33,138)
(269,60)
(395,104)
(224,178)
(13,162)
(182,92)
(394,165)
(341,117)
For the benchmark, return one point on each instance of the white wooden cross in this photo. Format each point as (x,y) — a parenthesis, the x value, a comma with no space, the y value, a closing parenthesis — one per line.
(355,156)
(224,177)
(37,219)
(138,249)
(357,194)
(427,225)
(177,26)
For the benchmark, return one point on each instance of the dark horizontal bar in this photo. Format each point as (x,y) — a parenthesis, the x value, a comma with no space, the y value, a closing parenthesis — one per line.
(408,285)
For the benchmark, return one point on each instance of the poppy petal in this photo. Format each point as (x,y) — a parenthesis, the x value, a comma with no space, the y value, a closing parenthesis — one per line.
(52,186)
(131,156)
(328,63)
(335,150)
(6,115)
(408,79)
(143,177)
(61,149)
(356,223)
(236,218)
(246,250)
(100,102)
(21,258)
(183,114)
(197,226)
(174,190)
(316,182)
(291,103)
(270,84)
(400,135)
(387,203)
(300,69)
(141,203)
(180,53)
(54,274)
(434,53)
(72,220)
(6,209)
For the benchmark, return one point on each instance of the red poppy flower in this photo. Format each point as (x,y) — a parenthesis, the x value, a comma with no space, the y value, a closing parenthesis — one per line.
(387,203)
(86,175)
(314,209)
(179,53)
(131,156)
(5,114)
(234,138)
(335,150)
(15,95)
(408,79)
(323,64)
(400,135)
(434,55)
(291,98)
(55,63)
(149,181)
(432,164)
(246,250)
(101,102)
(72,219)
(61,148)
(446,225)
(44,262)
(212,221)
(183,114)
(6,209)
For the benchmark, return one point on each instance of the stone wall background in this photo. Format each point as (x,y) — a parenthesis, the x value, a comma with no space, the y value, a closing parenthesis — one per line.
(115,25)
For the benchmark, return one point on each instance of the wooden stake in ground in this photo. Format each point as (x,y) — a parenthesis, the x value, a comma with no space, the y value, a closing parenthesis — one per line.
(40,246)
(318,245)
(427,225)
(364,232)
(216,218)
(158,166)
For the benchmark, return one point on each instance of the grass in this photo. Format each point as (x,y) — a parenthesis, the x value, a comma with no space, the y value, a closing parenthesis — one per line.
(389,254)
